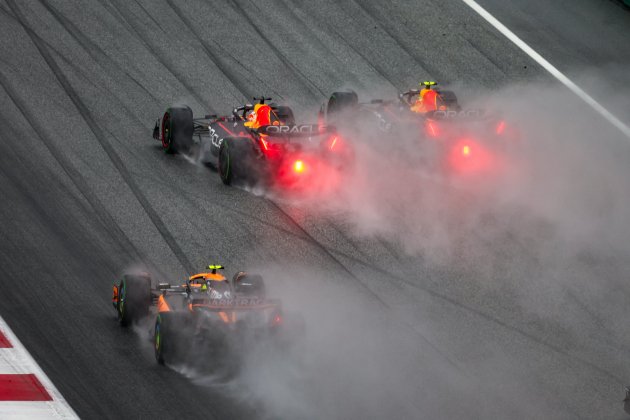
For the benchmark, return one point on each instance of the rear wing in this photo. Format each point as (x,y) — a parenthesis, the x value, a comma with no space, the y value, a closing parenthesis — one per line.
(236,304)
(204,302)
(297,131)
(472,114)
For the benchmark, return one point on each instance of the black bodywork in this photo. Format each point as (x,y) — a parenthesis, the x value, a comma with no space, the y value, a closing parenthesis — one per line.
(239,152)
(387,116)
(432,138)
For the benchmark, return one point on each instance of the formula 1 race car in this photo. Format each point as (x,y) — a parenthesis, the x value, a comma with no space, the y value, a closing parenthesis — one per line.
(447,138)
(207,313)
(257,144)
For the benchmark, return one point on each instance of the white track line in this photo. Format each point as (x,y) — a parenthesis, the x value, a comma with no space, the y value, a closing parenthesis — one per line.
(17,360)
(599,108)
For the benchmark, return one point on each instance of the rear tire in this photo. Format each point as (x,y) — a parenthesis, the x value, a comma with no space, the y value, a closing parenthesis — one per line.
(177,130)
(285,114)
(171,340)
(250,285)
(134,299)
(339,103)
(237,160)
(449,99)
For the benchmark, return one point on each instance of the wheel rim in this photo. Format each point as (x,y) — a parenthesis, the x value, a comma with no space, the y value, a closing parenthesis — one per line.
(158,340)
(166,131)
(121,300)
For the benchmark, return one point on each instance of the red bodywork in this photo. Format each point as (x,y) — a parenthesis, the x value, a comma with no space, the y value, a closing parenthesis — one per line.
(465,150)
(309,166)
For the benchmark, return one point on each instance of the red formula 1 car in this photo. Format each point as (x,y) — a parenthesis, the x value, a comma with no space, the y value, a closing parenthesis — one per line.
(445,137)
(258,144)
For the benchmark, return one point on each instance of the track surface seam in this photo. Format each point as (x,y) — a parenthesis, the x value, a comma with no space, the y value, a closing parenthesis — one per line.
(109,150)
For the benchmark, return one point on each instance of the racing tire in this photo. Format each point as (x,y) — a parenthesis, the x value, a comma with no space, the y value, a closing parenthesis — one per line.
(339,103)
(250,285)
(285,114)
(237,160)
(177,130)
(449,99)
(171,337)
(134,299)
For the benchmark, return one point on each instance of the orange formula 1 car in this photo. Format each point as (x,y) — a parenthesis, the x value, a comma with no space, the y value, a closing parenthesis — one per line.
(207,314)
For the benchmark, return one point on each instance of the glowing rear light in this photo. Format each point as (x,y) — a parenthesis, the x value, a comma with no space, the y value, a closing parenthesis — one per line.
(298,166)
(224,317)
(432,129)
(332,145)
(277,320)
(466,150)
(500,127)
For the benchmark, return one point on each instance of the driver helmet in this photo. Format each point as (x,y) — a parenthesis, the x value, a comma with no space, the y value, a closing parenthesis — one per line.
(425,87)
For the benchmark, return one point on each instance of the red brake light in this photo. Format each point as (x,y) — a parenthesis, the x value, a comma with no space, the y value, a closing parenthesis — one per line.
(432,129)
(277,320)
(298,166)
(500,127)
(469,156)
(332,145)
(269,148)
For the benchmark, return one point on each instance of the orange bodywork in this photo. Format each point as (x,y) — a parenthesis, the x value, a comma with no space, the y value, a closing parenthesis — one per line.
(200,278)
(228,315)
(162,305)
(225,317)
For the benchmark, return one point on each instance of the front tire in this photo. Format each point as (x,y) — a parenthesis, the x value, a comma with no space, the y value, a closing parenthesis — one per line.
(177,130)
(340,103)
(134,299)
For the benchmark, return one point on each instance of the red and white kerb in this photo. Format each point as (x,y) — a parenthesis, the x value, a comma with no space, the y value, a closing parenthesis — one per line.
(25,391)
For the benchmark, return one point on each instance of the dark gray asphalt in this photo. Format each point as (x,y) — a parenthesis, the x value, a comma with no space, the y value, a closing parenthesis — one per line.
(585,39)
(86,194)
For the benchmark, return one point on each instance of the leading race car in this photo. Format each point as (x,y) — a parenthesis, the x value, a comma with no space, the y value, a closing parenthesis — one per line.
(205,315)
(447,137)
(257,144)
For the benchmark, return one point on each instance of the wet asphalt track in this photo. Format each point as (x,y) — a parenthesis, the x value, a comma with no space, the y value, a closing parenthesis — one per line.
(85,192)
